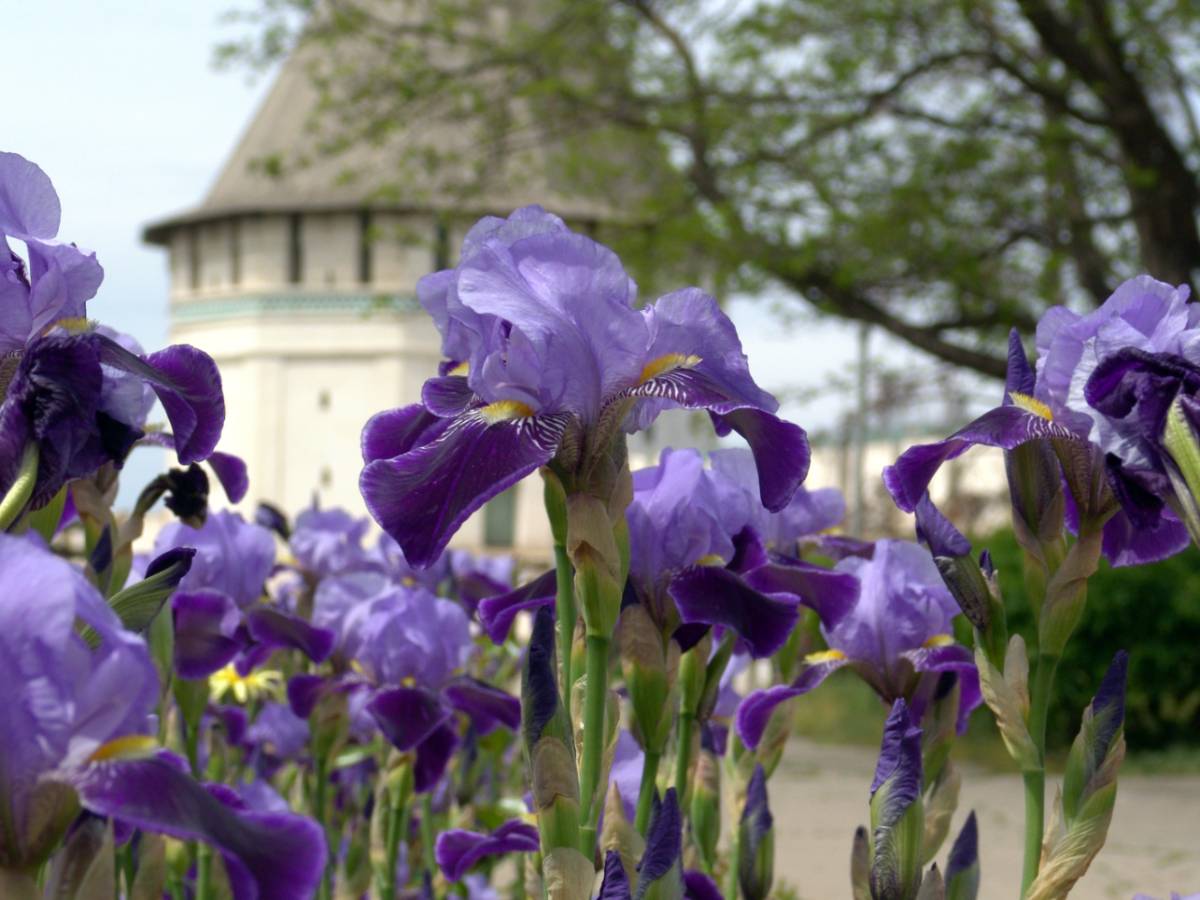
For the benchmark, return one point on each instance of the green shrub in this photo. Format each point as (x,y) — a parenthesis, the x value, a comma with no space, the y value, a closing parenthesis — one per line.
(1153,612)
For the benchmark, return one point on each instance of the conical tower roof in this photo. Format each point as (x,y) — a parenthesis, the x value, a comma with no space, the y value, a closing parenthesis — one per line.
(284,163)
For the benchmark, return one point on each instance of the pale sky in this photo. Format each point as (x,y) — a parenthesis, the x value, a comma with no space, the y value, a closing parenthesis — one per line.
(119,103)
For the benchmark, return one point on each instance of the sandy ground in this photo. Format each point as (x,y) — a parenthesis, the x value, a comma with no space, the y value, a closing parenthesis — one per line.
(1153,845)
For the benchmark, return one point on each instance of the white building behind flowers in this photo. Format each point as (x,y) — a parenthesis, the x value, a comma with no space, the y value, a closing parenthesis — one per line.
(299,280)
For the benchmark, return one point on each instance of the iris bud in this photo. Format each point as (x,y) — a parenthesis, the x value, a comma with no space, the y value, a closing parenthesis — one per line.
(706,801)
(650,674)
(593,549)
(962,869)
(1083,809)
(1180,440)
(1007,696)
(897,814)
(860,865)
(940,802)
(619,836)
(756,840)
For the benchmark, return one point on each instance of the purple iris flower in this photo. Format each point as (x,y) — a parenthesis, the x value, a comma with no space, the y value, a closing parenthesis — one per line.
(66,388)
(457,849)
(75,720)
(557,361)
(328,541)
(660,865)
(897,637)
(410,648)
(217,609)
(1142,318)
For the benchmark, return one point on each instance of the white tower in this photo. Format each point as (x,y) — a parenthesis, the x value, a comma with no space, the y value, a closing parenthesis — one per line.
(300,283)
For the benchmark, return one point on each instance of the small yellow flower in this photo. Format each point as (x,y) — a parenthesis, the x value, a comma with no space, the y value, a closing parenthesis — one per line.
(260,683)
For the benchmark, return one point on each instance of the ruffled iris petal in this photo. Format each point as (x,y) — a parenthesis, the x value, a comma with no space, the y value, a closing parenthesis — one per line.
(486,706)
(755,710)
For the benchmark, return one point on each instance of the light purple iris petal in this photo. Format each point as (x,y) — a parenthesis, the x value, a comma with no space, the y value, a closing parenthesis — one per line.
(188,385)
(754,713)
(277,730)
(496,614)
(717,596)
(411,634)
(29,204)
(407,716)
(457,850)
(328,541)
(63,278)
(275,628)
(569,303)
(903,602)
(1006,427)
(343,602)
(231,472)
(233,556)
(951,658)
(626,773)
(268,856)
(205,626)
(422,497)
(486,706)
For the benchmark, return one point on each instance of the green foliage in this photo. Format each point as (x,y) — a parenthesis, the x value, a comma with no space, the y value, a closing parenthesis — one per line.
(1153,612)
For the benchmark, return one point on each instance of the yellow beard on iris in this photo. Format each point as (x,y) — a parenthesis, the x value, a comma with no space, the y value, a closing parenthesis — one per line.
(668,362)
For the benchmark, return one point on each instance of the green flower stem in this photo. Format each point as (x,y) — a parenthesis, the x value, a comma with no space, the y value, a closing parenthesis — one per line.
(593,737)
(683,754)
(320,802)
(646,791)
(1035,779)
(396,827)
(17,498)
(203,872)
(427,832)
(565,611)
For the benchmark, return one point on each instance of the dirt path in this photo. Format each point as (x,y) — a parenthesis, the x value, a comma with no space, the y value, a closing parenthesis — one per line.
(1153,847)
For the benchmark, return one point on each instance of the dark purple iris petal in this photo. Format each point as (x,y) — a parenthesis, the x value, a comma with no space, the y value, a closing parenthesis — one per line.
(1108,709)
(422,496)
(698,886)
(397,431)
(433,755)
(407,716)
(457,850)
(754,712)
(1005,427)
(303,693)
(717,596)
(276,628)
(830,594)
(615,885)
(205,627)
(899,757)
(689,635)
(496,614)
(486,706)
(53,399)
(448,395)
(965,852)
(938,533)
(188,385)
(950,658)
(664,842)
(231,472)
(749,551)
(1019,376)
(268,856)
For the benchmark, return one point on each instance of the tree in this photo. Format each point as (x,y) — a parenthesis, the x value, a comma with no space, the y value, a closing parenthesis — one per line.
(944,169)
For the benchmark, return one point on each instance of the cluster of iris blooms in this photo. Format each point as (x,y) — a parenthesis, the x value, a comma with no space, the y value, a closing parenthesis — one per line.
(278,709)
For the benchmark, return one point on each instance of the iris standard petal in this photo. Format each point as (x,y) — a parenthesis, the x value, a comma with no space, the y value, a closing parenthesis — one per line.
(29,205)
(422,496)
(231,472)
